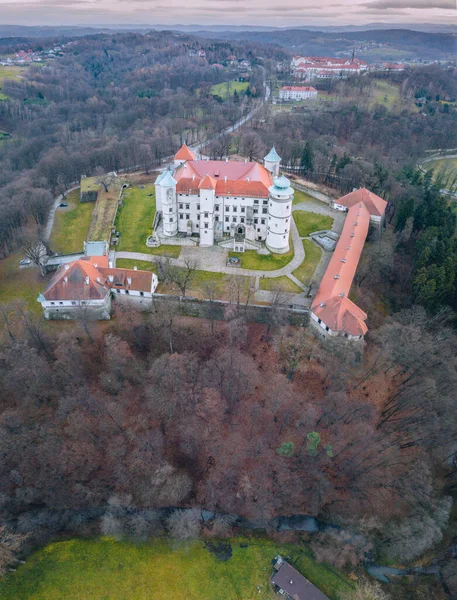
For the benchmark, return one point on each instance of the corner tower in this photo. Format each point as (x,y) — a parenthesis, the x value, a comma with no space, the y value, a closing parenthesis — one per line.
(272,162)
(167,192)
(281,196)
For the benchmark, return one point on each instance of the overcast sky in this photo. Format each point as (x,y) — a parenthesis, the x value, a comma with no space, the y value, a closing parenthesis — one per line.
(234,12)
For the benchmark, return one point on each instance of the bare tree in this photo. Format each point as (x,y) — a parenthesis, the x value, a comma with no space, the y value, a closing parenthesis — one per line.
(10,544)
(34,250)
(292,348)
(185,524)
(181,276)
(251,145)
(104,179)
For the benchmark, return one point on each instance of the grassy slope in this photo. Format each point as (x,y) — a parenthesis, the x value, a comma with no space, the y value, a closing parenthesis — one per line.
(262,262)
(283,283)
(104,212)
(306,270)
(71,224)
(135,217)
(221,88)
(104,569)
(308,222)
(20,284)
(300,197)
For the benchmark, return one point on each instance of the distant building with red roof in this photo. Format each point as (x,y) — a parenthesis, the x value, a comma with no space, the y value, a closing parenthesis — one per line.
(324,67)
(84,288)
(223,201)
(295,92)
(332,310)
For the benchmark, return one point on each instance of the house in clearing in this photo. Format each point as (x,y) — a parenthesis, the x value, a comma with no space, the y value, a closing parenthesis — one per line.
(332,312)
(288,582)
(84,289)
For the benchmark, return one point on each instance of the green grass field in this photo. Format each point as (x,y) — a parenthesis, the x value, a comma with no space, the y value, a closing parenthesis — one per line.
(307,222)
(272,284)
(135,217)
(11,72)
(228,88)
(71,224)
(300,197)
(306,270)
(20,284)
(442,165)
(104,569)
(262,262)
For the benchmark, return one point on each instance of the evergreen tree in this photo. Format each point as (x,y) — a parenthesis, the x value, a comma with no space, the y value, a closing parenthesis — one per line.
(307,158)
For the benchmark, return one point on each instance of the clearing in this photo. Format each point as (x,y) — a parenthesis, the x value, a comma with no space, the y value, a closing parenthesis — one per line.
(20,284)
(308,222)
(262,262)
(306,270)
(71,224)
(104,568)
(444,167)
(228,88)
(6,72)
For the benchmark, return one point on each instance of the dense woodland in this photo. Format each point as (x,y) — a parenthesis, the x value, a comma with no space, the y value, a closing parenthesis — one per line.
(100,427)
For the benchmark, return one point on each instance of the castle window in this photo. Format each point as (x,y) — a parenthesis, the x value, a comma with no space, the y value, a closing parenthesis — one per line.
(187,206)
(216,207)
(264,211)
(170,209)
(227,219)
(265,202)
(256,201)
(52,302)
(271,204)
(242,219)
(235,208)
(60,302)
(141,293)
(171,219)
(227,208)
(181,216)
(256,211)
(233,219)
(216,218)
(262,221)
(258,229)
(206,215)
(243,209)
(181,206)
(187,217)
(198,206)
(256,221)
(205,225)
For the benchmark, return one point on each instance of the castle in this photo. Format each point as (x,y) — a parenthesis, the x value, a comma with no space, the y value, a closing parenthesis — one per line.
(239,204)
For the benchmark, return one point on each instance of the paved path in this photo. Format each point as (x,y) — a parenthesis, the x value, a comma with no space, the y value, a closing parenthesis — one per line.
(52,213)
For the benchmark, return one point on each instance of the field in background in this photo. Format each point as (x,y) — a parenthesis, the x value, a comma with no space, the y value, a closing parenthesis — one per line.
(103,569)
(228,88)
(8,73)
(71,224)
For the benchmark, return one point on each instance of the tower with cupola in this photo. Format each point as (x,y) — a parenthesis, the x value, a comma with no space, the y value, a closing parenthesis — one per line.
(281,196)
(167,201)
(272,162)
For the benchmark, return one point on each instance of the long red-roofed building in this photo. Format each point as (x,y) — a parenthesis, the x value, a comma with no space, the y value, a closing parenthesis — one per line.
(332,310)
(324,67)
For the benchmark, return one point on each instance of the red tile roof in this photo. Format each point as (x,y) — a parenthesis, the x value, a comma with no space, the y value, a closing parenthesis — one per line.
(184,153)
(331,303)
(375,205)
(231,178)
(207,183)
(89,279)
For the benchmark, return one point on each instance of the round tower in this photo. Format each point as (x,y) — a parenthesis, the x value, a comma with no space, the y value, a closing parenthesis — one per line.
(169,204)
(281,195)
(272,162)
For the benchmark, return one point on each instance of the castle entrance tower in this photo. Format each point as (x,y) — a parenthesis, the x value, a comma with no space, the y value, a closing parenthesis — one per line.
(167,188)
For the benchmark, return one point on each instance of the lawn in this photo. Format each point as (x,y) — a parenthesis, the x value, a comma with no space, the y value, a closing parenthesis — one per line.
(71,224)
(262,262)
(272,284)
(228,88)
(447,167)
(8,73)
(135,217)
(307,222)
(104,569)
(300,197)
(306,270)
(20,284)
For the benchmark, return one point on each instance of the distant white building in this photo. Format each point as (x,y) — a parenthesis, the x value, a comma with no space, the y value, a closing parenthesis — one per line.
(238,204)
(324,67)
(297,92)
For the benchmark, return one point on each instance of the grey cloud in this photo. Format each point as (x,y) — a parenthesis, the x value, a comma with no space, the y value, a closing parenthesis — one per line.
(417,4)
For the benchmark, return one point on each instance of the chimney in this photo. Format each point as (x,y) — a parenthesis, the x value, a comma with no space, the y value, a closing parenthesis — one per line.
(226,159)
(66,267)
(322,304)
(135,268)
(65,279)
(111,278)
(245,161)
(129,281)
(86,280)
(95,265)
(248,179)
(343,260)
(336,277)
(98,280)
(225,178)
(193,177)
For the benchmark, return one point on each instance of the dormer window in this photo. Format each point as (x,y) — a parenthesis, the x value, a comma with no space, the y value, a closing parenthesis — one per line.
(336,277)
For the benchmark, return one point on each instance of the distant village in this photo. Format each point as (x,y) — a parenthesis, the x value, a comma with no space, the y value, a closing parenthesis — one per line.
(26,57)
